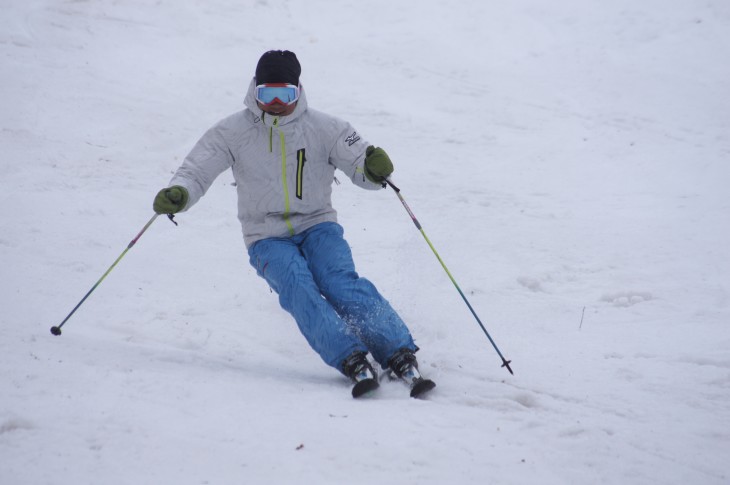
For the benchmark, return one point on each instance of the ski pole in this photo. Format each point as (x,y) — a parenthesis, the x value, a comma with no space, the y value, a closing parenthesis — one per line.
(505,362)
(57,330)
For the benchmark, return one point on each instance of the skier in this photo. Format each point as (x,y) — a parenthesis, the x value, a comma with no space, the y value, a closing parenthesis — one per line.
(283,156)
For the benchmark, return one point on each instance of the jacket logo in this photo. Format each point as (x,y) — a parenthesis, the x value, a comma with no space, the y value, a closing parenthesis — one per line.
(352,139)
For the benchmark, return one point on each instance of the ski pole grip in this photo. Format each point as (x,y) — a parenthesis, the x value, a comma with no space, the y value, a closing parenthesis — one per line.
(392,185)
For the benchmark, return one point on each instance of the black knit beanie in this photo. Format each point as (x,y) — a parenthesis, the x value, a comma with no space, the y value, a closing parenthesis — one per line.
(278,67)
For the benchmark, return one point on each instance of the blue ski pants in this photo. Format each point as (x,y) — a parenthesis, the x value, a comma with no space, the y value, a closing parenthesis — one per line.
(337,311)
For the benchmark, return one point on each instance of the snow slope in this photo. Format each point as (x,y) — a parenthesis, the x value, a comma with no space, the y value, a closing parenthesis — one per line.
(569,160)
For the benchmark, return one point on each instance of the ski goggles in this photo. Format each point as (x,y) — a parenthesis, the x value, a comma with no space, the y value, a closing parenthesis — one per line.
(267,94)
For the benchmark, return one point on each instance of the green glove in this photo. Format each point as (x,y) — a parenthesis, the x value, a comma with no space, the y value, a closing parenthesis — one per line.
(377,164)
(171,200)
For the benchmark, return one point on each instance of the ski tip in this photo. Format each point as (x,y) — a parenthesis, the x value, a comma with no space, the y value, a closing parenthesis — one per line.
(421,387)
(364,387)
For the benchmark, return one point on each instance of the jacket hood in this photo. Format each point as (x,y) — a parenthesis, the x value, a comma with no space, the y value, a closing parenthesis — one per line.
(250,102)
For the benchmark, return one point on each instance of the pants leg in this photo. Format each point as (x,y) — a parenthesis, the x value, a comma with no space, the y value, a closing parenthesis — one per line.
(355,299)
(280,262)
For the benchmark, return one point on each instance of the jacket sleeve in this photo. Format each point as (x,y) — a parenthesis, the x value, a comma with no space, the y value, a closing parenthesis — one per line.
(209,158)
(348,154)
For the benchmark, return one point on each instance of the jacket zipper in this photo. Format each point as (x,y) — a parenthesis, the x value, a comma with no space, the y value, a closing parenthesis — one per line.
(300,172)
(287,207)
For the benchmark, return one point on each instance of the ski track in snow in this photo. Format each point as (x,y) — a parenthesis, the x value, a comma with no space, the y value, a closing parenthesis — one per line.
(568,160)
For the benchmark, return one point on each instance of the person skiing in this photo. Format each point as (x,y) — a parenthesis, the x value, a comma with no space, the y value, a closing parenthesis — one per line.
(283,156)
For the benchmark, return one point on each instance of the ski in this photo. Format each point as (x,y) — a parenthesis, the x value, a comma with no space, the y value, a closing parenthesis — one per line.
(402,367)
(364,387)
(421,386)
(358,368)
(418,384)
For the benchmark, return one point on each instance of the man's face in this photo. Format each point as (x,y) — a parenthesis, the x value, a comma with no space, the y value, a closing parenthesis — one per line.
(277,109)
(277,99)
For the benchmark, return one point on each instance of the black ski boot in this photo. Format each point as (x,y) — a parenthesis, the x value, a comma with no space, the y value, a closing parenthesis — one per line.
(358,368)
(405,366)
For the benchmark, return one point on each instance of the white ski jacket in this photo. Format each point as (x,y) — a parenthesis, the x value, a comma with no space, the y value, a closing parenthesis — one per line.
(283,166)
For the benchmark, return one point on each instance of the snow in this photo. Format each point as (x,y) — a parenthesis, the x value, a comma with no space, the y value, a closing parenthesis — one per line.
(569,160)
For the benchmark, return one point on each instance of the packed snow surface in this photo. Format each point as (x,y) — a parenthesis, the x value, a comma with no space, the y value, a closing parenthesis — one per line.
(569,160)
